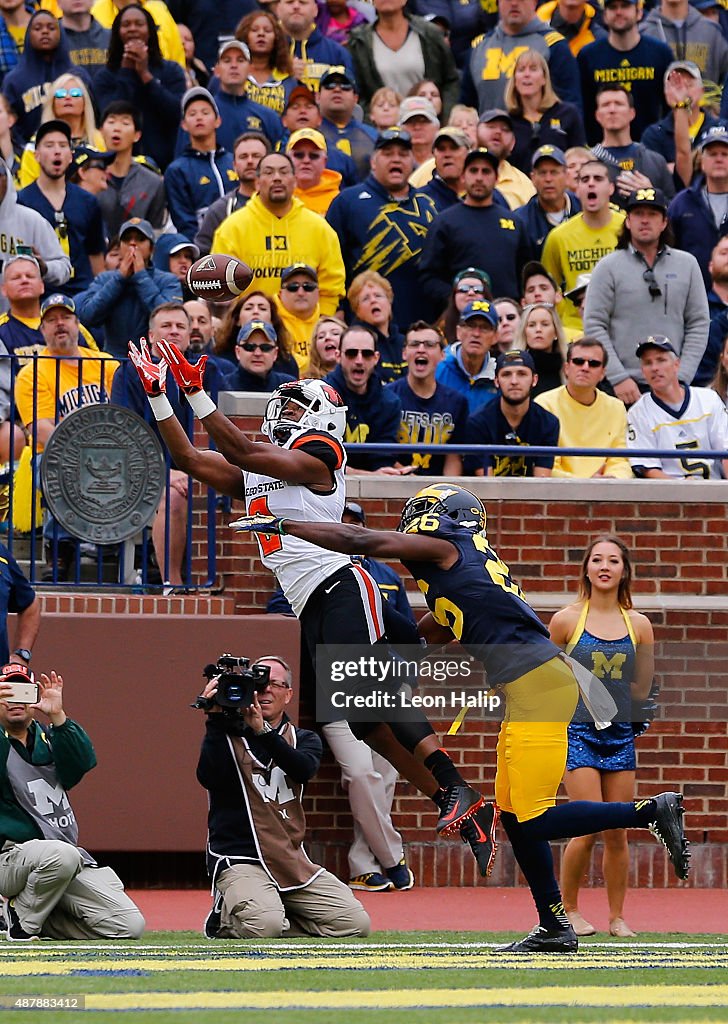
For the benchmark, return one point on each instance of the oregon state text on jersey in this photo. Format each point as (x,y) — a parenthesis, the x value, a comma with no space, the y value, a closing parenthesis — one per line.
(477,599)
(298,565)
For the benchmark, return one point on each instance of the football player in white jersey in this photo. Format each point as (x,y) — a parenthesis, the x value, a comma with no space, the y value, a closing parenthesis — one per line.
(674,415)
(301,473)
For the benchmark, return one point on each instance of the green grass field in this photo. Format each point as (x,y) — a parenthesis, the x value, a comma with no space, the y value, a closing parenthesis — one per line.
(421,977)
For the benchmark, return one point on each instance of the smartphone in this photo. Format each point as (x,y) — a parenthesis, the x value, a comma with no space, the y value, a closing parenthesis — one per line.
(24,250)
(23,693)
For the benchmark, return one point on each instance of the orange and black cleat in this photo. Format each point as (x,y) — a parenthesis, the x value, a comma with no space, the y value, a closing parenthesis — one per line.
(458,804)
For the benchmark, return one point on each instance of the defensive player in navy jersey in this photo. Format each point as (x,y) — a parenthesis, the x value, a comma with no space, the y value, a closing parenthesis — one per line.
(301,473)
(471,596)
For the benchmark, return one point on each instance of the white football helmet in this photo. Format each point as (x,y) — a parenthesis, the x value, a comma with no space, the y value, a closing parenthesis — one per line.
(300,405)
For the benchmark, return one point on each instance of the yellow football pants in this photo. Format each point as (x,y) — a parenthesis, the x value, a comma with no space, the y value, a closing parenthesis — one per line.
(532,743)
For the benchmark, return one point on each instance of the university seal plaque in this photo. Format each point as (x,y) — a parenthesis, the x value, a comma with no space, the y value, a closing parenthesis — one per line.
(103,473)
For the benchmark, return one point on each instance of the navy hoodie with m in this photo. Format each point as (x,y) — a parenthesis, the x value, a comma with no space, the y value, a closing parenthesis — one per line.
(371,417)
(380,233)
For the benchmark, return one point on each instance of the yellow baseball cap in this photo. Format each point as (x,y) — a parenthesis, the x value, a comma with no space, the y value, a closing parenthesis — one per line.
(307,134)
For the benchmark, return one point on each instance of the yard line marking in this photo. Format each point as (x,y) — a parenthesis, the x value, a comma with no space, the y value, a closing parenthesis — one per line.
(597,996)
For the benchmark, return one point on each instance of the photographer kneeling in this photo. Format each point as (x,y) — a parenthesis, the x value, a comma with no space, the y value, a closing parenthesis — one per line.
(254,764)
(52,887)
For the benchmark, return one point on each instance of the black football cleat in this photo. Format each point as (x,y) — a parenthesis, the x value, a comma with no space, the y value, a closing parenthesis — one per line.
(544,940)
(459,803)
(479,831)
(668,828)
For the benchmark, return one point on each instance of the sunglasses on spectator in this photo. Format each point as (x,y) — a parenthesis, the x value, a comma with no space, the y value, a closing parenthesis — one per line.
(582,361)
(61,224)
(337,84)
(296,286)
(253,346)
(649,278)
(465,289)
(306,154)
(60,94)
(507,316)
(365,353)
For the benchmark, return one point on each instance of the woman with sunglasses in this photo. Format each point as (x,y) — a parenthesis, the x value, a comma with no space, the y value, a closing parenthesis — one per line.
(44,58)
(539,117)
(270,79)
(136,71)
(603,632)
(68,100)
(253,306)
(509,319)
(467,286)
(324,347)
(542,334)
(371,296)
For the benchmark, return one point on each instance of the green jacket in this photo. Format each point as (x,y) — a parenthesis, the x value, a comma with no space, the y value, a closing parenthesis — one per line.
(439,62)
(68,747)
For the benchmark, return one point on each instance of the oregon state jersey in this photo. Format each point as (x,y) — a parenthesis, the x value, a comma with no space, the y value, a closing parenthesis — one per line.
(299,566)
(477,599)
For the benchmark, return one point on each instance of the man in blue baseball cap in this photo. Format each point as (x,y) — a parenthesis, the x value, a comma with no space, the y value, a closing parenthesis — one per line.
(256,349)
(469,368)
(553,203)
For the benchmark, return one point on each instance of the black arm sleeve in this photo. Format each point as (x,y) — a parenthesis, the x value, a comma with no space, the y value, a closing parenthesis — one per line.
(299,763)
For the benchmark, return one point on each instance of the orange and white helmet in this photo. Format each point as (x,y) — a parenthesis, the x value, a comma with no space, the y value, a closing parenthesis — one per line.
(300,405)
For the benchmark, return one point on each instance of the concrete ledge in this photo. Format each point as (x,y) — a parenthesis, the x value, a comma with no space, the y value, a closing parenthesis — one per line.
(642,602)
(546,489)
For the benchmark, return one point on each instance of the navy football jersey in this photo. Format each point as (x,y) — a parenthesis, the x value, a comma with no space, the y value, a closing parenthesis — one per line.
(477,599)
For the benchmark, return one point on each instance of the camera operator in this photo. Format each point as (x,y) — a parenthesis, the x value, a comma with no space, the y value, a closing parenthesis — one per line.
(254,764)
(51,886)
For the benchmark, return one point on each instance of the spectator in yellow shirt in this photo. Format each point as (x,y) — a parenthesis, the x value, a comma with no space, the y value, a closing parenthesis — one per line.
(588,417)
(575,247)
(298,306)
(274,230)
(316,185)
(82,378)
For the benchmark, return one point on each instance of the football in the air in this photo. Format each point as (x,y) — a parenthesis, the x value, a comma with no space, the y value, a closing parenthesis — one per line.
(218,278)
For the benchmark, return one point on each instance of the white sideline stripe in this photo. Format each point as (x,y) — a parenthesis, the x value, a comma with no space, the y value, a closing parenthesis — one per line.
(221,946)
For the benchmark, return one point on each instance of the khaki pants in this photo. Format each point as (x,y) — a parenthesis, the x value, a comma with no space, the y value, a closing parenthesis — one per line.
(254,908)
(369,782)
(56,896)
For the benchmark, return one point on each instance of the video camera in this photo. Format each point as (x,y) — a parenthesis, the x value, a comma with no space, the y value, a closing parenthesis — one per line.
(237,682)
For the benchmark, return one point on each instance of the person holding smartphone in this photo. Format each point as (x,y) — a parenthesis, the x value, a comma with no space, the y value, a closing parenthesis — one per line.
(50,886)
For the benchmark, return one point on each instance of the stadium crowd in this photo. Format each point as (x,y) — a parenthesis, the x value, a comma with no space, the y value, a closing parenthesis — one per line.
(469,223)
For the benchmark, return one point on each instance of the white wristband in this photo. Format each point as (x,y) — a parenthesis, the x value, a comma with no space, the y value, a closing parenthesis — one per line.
(160,407)
(202,404)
